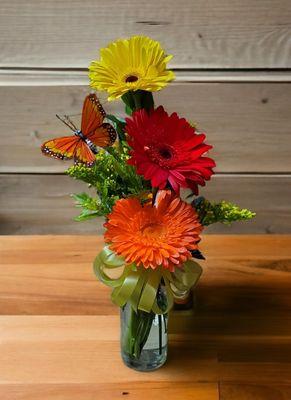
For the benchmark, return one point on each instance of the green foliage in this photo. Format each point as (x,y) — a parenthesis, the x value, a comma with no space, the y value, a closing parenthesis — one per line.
(135,100)
(224,212)
(112,178)
(90,207)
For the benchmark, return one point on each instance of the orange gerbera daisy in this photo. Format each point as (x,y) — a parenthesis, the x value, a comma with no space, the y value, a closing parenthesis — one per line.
(152,236)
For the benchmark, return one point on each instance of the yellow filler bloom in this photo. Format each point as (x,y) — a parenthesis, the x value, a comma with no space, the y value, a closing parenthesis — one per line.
(137,63)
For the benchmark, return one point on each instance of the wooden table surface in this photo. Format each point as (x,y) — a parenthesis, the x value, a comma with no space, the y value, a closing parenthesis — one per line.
(59,332)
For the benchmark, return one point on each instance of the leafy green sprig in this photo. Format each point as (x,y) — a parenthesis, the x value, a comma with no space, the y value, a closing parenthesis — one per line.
(91,207)
(112,178)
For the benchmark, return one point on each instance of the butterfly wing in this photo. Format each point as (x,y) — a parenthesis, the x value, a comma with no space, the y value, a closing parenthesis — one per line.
(92,126)
(68,147)
(84,154)
(63,148)
(93,114)
(103,136)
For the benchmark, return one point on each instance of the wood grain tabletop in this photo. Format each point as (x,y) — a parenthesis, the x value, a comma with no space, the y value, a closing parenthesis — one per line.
(59,332)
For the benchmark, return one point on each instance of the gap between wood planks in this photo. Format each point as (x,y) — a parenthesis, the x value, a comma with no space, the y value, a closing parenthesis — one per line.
(29,171)
(22,76)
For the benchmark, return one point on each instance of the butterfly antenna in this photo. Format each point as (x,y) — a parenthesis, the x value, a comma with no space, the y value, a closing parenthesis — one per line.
(70,122)
(66,123)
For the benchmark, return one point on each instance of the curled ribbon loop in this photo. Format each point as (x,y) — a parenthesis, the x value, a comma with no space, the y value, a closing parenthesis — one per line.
(140,286)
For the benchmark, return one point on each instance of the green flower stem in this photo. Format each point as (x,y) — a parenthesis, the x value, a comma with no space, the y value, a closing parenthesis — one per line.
(160,333)
(137,101)
(137,332)
(154,193)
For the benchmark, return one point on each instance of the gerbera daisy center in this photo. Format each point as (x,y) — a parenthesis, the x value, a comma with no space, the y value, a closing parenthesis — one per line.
(161,154)
(153,230)
(131,79)
(165,153)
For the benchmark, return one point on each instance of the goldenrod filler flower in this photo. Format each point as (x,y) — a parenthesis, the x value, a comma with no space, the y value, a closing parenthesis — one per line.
(137,63)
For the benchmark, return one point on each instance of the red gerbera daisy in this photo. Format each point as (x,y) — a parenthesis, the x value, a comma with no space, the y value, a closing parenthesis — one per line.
(166,149)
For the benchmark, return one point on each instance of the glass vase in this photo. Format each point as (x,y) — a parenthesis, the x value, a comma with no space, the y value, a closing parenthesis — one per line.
(184,300)
(144,336)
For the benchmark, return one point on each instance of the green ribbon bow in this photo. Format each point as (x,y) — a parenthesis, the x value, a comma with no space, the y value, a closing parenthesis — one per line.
(139,286)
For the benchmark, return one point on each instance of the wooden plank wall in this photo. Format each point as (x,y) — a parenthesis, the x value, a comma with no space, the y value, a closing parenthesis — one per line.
(233,66)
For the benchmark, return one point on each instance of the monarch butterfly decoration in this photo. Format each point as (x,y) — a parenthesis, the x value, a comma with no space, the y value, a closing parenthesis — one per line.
(83,145)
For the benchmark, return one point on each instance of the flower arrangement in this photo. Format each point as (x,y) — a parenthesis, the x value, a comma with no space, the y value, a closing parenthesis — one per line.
(139,167)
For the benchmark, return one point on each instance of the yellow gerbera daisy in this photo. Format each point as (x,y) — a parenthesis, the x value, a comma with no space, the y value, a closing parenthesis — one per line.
(130,64)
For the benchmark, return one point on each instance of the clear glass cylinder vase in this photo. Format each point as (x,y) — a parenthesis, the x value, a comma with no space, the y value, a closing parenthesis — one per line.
(144,337)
